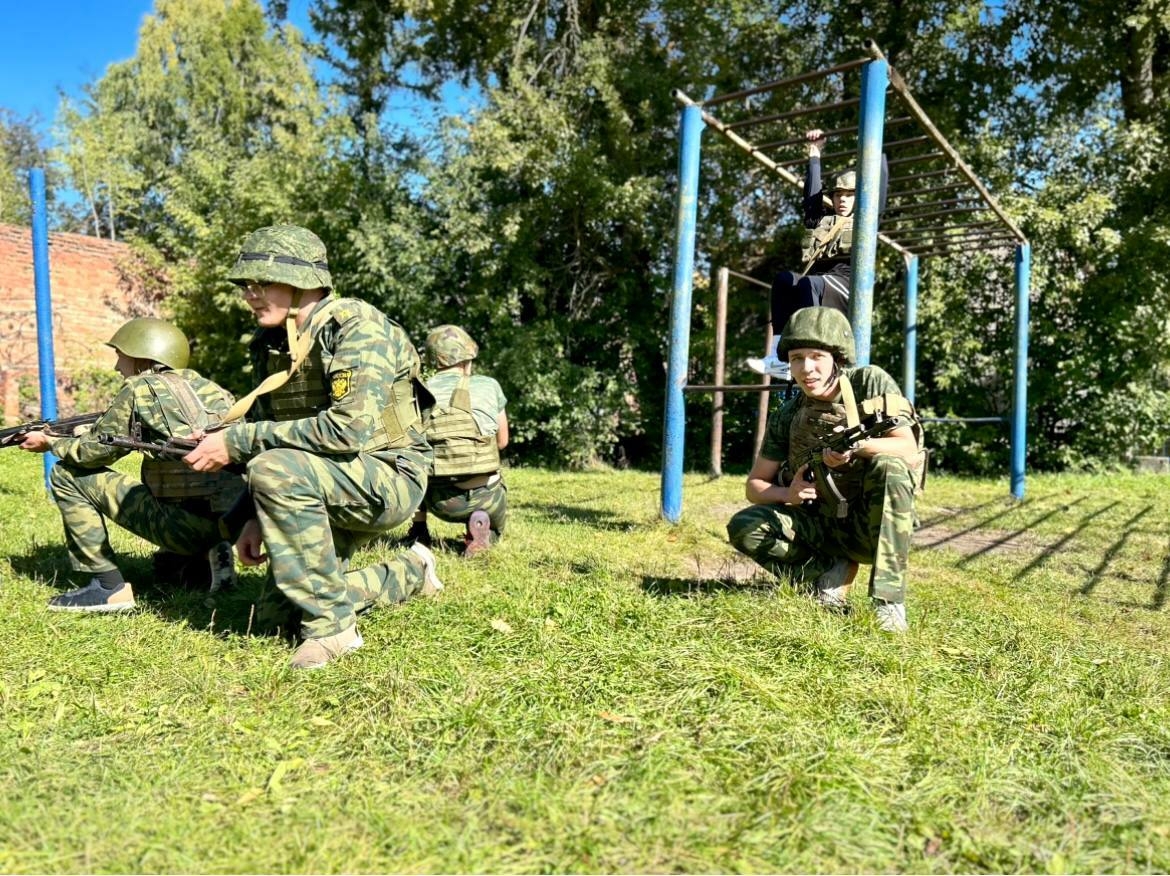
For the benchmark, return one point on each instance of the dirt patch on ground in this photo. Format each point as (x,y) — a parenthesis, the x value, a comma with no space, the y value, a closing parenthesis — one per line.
(970,543)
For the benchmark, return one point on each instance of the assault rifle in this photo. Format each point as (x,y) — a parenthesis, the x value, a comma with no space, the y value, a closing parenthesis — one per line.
(873,426)
(63,428)
(172,448)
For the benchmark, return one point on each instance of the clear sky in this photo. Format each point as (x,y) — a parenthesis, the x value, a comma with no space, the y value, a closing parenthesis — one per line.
(54,46)
(60,45)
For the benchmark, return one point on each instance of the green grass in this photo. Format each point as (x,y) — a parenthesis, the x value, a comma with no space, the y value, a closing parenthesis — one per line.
(652,703)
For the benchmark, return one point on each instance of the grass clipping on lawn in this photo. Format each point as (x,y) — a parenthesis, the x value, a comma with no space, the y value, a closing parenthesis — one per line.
(603,692)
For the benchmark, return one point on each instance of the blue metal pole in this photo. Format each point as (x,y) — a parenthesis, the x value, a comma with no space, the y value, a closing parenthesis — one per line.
(875,78)
(1020,396)
(47,368)
(910,341)
(674,430)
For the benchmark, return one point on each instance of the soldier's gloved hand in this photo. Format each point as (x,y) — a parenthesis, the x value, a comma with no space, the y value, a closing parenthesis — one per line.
(210,454)
(250,545)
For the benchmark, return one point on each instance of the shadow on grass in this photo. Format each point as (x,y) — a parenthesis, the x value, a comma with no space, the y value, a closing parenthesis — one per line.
(1099,572)
(657,585)
(1036,521)
(252,607)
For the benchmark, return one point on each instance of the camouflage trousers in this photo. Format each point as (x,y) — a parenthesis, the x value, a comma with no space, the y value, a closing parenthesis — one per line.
(804,543)
(87,498)
(316,511)
(456,505)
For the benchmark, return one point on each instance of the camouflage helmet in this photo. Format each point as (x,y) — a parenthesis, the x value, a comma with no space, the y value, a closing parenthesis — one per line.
(449,345)
(845,182)
(819,328)
(282,254)
(153,339)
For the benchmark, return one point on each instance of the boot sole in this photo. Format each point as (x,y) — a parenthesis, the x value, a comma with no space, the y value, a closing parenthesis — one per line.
(479,530)
(95,609)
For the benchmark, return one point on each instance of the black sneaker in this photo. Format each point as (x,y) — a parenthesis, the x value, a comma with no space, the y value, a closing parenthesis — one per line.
(93,597)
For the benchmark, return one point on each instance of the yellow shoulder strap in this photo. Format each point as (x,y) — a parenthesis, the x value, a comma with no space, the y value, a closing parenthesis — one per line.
(850,401)
(299,346)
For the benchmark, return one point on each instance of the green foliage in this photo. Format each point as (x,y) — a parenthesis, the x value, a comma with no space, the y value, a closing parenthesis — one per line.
(92,389)
(214,128)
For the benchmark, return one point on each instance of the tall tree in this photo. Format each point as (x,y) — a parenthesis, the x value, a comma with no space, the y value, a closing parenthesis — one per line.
(215,127)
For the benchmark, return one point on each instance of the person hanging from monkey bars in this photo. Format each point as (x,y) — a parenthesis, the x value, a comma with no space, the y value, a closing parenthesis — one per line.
(826,252)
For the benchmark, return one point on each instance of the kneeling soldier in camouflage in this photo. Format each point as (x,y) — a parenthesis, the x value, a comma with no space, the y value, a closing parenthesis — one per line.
(467,427)
(172,507)
(335,453)
(859,507)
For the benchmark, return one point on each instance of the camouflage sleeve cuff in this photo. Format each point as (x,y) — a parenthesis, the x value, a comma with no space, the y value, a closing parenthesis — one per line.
(239,440)
(60,447)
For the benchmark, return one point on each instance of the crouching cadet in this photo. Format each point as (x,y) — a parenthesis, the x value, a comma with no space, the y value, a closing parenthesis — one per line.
(818,511)
(171,506)
(335,452)
(467,427)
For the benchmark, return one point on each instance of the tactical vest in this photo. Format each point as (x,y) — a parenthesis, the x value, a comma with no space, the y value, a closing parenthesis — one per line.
(308,392)
(172,479)
(815,421)
(831,239)
(461,448)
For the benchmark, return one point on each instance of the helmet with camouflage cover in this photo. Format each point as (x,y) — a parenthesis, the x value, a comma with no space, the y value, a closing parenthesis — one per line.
(845,182)
(282,254)
(449,345)
(819,328)
(153,339)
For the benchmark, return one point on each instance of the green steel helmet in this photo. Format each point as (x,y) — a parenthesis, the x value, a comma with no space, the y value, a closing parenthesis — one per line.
(282,254)
(819,328)
(449,345)
(153,339)
(845,182)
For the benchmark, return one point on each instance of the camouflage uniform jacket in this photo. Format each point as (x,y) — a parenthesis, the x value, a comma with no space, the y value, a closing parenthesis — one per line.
(362,354)
(145,399)
(801,423)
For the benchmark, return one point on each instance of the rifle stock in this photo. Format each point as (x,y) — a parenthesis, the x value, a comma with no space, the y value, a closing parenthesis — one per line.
(62,428)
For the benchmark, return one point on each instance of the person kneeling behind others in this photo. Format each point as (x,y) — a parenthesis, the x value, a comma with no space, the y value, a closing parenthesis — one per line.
(811,531)
(335,452)
(467,427)
(172,507)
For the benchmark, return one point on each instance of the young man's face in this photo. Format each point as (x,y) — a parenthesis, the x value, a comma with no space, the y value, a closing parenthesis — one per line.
(843,200)
(814,372)
(126,366)
(270,302)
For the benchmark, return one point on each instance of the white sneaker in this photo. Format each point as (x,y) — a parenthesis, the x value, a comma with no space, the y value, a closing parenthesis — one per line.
(832,588)
(891,616)
(772,366)
(431,582)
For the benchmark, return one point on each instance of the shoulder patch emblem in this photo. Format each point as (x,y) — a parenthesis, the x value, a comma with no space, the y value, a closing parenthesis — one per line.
(340,383)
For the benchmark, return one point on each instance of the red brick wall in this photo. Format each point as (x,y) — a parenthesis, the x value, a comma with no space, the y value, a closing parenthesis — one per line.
(90,298)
